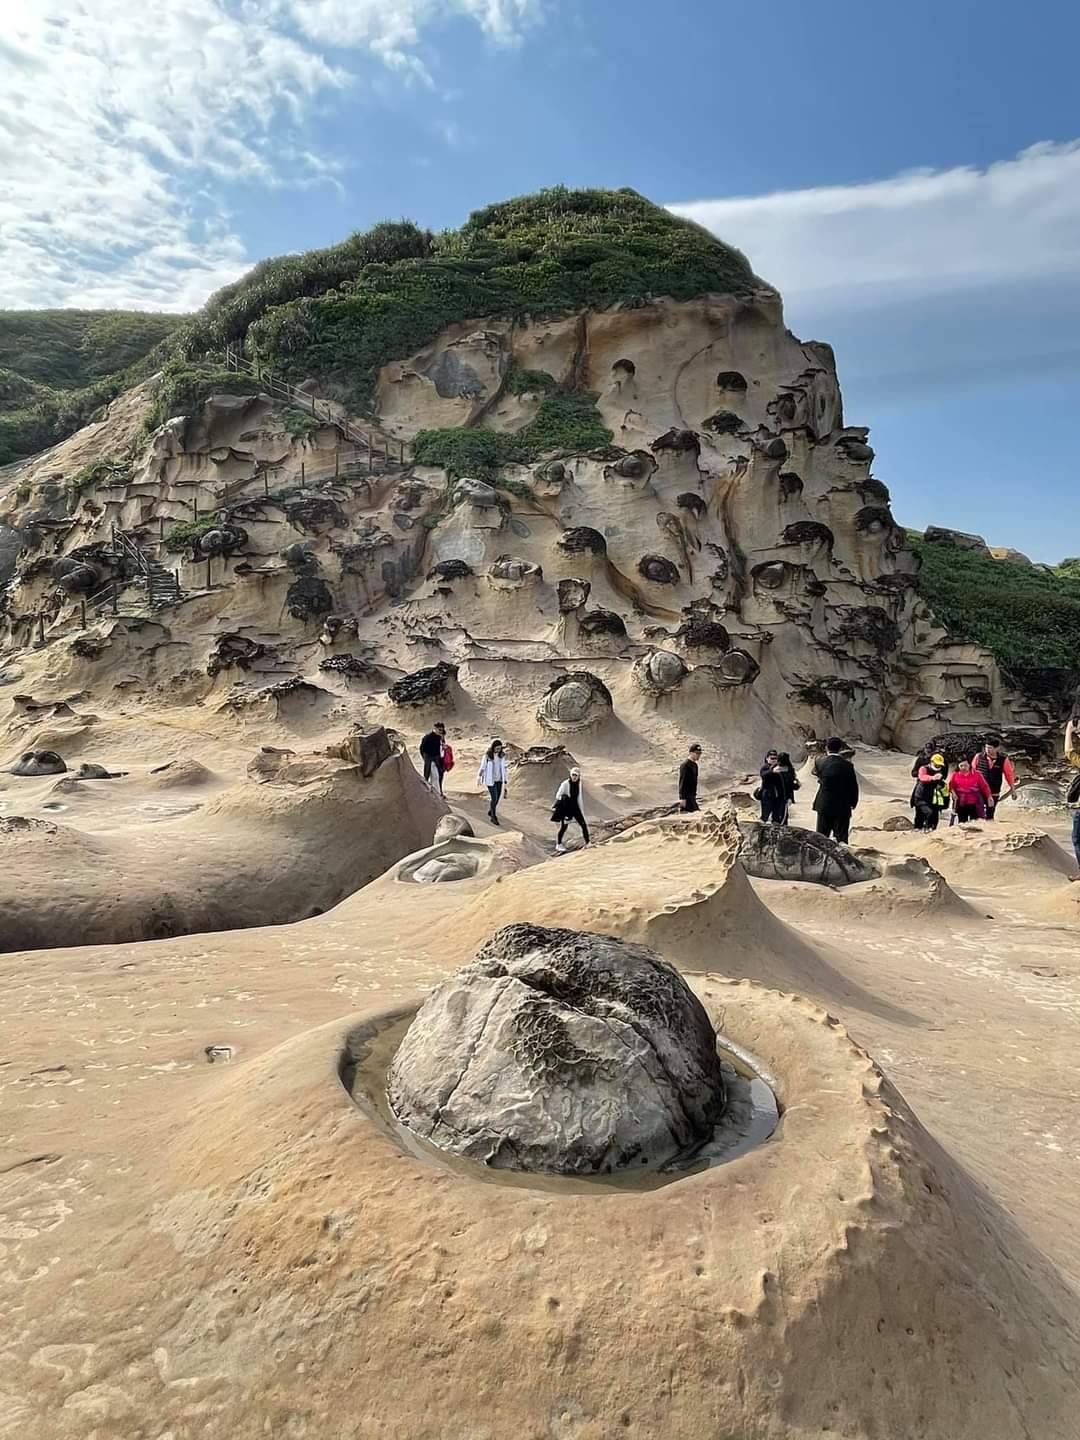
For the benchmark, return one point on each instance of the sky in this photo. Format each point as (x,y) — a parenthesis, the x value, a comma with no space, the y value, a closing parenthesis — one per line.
(907,176)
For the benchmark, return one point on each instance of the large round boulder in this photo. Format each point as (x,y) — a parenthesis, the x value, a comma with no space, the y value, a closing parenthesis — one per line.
(574,701)
(38,762)
(560,1051)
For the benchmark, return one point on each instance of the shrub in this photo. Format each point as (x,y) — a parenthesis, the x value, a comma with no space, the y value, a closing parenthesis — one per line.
(565,421)
(299,423)
(184,534)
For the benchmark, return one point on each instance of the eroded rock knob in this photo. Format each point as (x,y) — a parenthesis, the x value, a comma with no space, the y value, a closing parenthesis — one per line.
(513,570)
(560,1051)
(573,594)
(38,762)
(574,701)
(659,569)
(661,671)
(582,538)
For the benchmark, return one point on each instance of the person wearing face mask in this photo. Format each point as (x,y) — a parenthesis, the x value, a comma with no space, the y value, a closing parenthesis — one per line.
(493,774)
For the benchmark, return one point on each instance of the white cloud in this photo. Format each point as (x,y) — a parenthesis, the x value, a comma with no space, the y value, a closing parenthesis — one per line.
(917,233)
(123,124)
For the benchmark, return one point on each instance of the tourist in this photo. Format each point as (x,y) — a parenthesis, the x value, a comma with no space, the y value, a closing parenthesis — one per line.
(1072,754)
(766,789)
(493,774)
(568,807)
(778,786)
(688,780)
(996,769)
(931,793)
(431,752)
(972,796)
(838,792)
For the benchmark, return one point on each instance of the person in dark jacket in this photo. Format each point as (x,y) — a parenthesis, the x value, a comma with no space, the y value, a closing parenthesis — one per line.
(931,793)
(778,786)
(431,752)
(688,780)
(996,768)
(838,792)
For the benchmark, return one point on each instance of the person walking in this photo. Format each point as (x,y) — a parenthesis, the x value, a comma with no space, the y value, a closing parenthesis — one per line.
(493,773)
(1072,755)
(931,793)
(996,768)
(688,780)
(567,807)
(767,789)
(838,792)
(971,795)
(431,752)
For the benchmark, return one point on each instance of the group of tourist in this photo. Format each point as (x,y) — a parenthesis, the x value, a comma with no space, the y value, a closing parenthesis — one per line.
(972,791)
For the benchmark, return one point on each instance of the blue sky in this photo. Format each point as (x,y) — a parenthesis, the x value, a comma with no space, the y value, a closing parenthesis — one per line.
(909,177)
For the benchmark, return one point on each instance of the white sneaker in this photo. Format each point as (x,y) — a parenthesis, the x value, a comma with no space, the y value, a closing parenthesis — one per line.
(560,849)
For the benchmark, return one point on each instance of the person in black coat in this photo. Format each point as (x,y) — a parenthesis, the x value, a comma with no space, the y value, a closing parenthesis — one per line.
(838,792)
(431,752)
(778,786)
(688,780)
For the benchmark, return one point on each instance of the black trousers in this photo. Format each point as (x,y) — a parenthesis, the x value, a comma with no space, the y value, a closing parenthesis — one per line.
(964,813)
(927,816)
(774,809)
(689,803)
(431,763)
(574,814)
(835,823)
(495,791)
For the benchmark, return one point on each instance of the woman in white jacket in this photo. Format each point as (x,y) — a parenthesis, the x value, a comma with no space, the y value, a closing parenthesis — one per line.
(493,774)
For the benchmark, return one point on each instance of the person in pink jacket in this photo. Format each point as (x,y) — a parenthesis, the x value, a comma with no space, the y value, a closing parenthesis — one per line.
(972,796)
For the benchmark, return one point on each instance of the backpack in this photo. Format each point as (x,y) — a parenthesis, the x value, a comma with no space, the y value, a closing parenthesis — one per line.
(1072,795)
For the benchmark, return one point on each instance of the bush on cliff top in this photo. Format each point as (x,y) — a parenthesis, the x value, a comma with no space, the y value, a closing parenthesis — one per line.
(1028,617)
(341,314)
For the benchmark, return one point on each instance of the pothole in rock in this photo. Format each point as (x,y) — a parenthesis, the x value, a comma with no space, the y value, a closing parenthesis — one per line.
(560,1061)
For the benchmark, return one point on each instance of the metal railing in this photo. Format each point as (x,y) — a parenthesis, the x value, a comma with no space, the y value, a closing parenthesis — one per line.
(283,389)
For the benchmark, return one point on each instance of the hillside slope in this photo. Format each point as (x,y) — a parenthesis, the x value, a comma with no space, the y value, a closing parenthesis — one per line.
(58,366)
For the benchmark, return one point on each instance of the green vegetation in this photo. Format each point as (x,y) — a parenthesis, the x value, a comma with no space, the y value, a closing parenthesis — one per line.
(184,534)
(110,471)
(565,421)
(1028,616)
(528,382)
(59,367)
(299,423)
(184,387)
(342,313)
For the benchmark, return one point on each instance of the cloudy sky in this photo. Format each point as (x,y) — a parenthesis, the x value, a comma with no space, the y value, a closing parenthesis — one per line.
(908,176)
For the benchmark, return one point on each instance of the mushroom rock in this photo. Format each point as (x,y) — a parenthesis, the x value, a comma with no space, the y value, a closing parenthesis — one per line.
(450,570)
(874,519)
(724,422)
(870,624)
(478,493)
(441,868)
(698,632)
(352,666)
(222,540)
(412,494)
(367,749)
(510,571)
(300,557)
(581,538)
(774,449)
(898,581)
(730,380)
(736,667)
(314,513)
(807,532)
(790,484)
(308,597)
(234,650)
(560,1051)
(691,501)
(429,686)
(638,465)
(624,369)
(573,594)
(90,771)
(37,762)
(855,449)
(658,569)
(871,489)
(78,579)
(358,557)
(660,672)
(898,822)
(784,852)
(450,827)
(680,441)
(602,622)
(772,575)
(574,701)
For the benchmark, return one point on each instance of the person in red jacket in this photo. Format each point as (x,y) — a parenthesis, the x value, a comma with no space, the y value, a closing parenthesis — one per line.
(971,794)
(996,769)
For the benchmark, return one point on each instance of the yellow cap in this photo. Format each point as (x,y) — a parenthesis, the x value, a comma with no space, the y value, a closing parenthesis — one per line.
(937,759)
